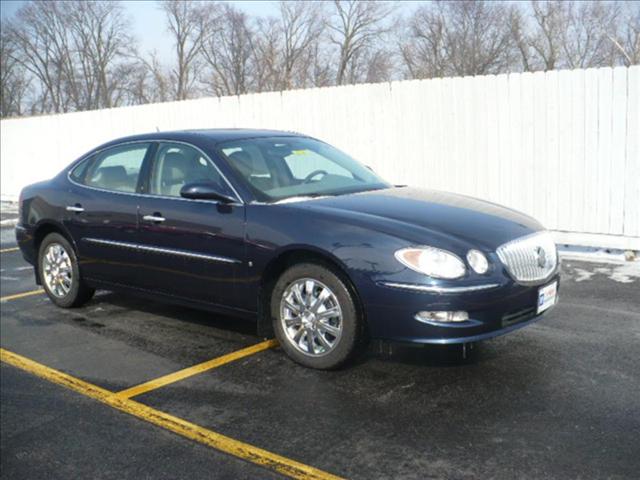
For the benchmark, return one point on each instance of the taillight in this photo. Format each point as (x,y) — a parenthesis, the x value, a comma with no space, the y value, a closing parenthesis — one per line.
(20,199)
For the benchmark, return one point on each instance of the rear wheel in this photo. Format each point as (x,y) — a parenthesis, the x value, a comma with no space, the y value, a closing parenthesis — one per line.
(60,274)
(315,316)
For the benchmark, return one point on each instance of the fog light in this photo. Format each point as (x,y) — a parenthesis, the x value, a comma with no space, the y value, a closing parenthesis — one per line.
(444,317)
(478,261)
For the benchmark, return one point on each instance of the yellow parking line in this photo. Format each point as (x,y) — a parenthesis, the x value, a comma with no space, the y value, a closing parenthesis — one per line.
(220,442)
(7,250)
(21,295)
(196,369)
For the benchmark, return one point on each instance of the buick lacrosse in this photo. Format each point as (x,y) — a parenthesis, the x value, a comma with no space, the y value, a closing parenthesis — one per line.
(286,229)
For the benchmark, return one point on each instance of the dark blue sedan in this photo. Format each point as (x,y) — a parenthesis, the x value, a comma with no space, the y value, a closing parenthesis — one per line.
(285,228)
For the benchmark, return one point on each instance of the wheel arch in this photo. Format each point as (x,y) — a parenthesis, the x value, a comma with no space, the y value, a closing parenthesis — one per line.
(40,232)
(287,258)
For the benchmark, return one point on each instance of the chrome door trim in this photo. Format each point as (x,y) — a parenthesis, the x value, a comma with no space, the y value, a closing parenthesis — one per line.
(136,194)
(153,218)
(437,289)
(161,250)
(73,208)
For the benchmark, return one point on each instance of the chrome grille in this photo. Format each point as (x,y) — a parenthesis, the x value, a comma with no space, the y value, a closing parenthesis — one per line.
(531,259)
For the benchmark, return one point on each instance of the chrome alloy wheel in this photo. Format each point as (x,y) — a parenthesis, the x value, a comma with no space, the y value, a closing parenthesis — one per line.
(311,317)
(57,270)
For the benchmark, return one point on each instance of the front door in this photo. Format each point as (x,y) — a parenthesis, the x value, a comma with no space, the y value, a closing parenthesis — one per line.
(190,248)
(102,213)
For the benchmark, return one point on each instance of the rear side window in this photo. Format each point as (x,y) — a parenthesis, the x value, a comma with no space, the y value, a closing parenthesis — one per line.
(116,169)
(79,172)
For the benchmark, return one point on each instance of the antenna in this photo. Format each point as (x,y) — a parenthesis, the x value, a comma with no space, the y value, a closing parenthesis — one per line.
(157,129)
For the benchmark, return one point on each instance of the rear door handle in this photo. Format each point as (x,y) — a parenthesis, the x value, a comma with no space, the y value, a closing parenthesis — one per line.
(155,218)
(77,208)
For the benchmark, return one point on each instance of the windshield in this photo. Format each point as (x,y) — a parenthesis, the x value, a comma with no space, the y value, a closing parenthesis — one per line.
(280,168)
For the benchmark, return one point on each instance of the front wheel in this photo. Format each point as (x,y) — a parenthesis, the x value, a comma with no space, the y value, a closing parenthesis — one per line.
(315,316)
(60,274)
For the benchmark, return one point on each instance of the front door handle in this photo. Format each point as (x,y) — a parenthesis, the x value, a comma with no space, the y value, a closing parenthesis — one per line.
(77,208)
(155,218)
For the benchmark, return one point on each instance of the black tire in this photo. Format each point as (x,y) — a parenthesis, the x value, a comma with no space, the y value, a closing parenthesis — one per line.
(351,323)
(79,293)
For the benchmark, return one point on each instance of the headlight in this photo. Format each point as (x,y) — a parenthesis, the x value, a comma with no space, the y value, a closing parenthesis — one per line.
(478,261)
(432,261)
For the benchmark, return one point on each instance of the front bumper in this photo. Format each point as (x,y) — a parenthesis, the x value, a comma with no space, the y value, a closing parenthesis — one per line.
(492,311)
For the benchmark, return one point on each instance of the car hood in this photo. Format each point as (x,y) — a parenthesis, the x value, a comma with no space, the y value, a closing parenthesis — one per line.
(413,212)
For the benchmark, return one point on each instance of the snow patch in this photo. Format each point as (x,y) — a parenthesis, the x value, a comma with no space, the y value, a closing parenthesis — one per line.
(627,272)
(582,274)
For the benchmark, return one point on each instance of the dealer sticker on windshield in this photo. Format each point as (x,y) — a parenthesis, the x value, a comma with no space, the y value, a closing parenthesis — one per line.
(547,296)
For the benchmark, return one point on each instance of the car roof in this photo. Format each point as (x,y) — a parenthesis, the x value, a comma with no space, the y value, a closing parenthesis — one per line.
(211,135)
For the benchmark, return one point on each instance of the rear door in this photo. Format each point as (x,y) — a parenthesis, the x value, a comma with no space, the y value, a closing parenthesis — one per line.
(102,212)
(190,248)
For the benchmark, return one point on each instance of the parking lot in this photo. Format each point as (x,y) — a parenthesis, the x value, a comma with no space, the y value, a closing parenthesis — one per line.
(559,399)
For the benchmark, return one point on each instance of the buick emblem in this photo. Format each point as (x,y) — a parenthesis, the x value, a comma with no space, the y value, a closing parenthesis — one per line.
(541,256)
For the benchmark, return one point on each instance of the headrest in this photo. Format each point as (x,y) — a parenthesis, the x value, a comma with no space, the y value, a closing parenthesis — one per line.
(175,164)
(242,161)
(174,159)
(112,175)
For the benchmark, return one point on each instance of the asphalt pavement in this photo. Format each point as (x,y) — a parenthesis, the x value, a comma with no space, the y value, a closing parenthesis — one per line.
(558,399)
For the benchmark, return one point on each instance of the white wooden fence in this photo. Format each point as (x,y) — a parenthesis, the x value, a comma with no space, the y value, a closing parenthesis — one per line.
(563,146)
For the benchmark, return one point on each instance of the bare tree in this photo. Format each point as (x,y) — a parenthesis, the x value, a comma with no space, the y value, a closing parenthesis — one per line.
(586,35)
(423,52)
(561,34)
(161,80)
(319,70)
(43,49)
(59,56)
(14,81)
(459,38)
(267,46)
(150,82)
(228,52)
(103,47)
(627,40)
(356,29)
(286,47)
(301,25)
(379,66)
(549,20)
(187,20)
(76,52)
(290,51)
(518,25)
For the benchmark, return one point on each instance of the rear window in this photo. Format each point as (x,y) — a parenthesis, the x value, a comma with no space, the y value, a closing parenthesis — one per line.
(116,169)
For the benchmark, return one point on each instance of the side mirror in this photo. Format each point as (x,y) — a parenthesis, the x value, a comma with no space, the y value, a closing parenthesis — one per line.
(205,191)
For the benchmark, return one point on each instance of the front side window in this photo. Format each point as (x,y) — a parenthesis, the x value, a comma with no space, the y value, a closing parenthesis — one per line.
(116,169)
(278,168)
(177,165)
